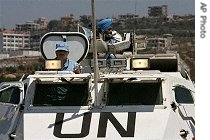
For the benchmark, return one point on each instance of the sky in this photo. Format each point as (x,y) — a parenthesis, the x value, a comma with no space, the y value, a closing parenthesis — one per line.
(19,11)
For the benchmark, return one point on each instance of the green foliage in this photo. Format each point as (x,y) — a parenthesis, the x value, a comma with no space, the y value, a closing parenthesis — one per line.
(159,26)
(11,69)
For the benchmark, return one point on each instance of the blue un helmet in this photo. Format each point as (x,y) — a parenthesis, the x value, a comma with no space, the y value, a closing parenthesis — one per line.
(104,24)
(62,46)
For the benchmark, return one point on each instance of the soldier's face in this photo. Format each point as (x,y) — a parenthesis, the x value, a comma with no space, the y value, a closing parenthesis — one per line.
(62,54)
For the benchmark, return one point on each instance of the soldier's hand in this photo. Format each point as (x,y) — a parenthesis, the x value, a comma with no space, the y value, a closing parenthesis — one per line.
(77,70)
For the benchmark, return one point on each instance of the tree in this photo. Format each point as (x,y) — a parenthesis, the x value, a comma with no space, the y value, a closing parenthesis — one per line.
(85,19)
(54,25)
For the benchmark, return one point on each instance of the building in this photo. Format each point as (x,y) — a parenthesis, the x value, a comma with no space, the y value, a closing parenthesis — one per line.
(28,26)
(128,16)
(67,20)
(14,40)
(158,11)
(41,23)
(36,29)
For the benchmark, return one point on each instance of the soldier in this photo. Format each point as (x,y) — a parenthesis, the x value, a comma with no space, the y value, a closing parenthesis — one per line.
(62,52)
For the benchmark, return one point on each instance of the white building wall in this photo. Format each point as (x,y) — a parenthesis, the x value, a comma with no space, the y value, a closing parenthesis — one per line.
(12,41)
(31,53)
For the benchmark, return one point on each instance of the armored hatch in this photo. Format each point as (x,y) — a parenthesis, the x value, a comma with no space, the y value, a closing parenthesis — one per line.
(78,42)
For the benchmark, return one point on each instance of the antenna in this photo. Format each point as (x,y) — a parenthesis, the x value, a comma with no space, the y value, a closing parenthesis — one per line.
(95,59)
(135,16)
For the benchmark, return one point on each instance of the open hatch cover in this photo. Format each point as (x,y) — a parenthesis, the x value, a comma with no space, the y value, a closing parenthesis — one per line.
(78,42)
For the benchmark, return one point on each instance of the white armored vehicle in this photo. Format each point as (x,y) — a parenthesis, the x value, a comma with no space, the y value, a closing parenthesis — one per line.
(138,97)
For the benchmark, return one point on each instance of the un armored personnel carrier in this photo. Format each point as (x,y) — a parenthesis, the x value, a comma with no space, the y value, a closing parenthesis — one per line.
(138,97)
